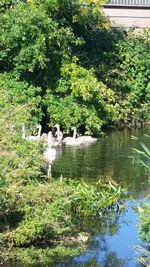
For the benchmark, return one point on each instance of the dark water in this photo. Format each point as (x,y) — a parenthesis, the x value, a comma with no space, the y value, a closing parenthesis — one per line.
(109,158)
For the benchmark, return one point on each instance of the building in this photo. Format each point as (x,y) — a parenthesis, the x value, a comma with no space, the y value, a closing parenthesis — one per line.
(128,13)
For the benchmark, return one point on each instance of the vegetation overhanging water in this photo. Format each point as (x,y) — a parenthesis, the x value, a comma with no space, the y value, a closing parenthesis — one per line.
(61,63)
(112,246)
(110,158)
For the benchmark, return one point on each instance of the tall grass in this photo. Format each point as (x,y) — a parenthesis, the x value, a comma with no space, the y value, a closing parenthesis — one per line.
(143,154)
(143,254)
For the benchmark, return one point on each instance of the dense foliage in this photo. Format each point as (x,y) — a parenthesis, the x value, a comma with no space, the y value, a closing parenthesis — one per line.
(41,218)
(145,223)
(144,210)
(133,78)
(79,72)
(60,63)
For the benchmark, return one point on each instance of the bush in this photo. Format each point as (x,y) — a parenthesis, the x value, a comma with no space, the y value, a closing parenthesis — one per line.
(36,212)
(144,209)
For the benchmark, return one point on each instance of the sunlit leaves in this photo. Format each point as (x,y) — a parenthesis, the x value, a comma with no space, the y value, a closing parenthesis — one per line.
(135,67)
(21,93)
(79,99)
(31,41)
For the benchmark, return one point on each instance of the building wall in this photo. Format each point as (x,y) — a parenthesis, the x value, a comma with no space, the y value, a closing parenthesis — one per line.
(128,17)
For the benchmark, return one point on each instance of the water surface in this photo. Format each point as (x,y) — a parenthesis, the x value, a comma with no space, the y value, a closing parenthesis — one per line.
(108,159)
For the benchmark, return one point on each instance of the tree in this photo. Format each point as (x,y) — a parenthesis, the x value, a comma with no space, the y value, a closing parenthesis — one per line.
(79,99)
(21,93)
(38,40)
(132,83)
(32,44)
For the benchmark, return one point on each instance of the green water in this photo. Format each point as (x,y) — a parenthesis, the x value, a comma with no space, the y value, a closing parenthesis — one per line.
(108,159)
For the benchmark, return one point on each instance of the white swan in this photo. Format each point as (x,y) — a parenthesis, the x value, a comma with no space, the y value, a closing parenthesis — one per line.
(44,137)
(59,136)
(49,153)
(72,141)
(87,139)
(32,137)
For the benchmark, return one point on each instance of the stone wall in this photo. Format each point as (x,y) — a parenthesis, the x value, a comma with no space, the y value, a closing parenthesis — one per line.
(128,17)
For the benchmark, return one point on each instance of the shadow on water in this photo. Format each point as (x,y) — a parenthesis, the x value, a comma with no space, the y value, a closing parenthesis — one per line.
(109,159)
(112,246)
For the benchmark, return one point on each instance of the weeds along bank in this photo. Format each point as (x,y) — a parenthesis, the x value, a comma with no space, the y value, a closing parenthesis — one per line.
(63,61)
(42,219)
(48,221)
(143,253)
(144,210)
(60,63)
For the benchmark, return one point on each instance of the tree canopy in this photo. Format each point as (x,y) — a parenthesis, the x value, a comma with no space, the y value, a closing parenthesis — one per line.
(63,55)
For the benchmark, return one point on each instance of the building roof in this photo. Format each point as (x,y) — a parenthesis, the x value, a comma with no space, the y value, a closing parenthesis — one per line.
(135,3)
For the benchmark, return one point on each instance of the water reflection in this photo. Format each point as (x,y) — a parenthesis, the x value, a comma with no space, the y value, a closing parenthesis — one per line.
(109,159)
(112,247)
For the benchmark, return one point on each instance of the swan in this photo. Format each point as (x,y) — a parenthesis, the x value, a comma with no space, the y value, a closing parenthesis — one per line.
(59,136)
(87,139)
(72,141)
(44,137)
(49,153)
(32,137)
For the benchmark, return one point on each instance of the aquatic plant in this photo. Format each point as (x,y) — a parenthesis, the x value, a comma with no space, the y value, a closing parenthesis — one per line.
(47,215)
(144,210)
(143,255)
(40,218)
(143,154)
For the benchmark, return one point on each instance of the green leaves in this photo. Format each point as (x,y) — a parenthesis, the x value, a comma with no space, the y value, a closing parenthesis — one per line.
(23,95)
(79,99)
(145,223)
(62,49)
(143,157)
(59,204)
(134,74)
(143,154)
(31,41)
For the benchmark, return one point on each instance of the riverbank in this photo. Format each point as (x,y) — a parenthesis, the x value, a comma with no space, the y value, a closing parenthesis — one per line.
(110,158)
(50,220)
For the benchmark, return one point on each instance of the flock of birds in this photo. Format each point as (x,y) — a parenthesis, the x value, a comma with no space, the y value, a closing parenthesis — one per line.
(57,140)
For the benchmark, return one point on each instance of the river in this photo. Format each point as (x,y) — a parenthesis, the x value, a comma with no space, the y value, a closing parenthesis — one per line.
(109,158)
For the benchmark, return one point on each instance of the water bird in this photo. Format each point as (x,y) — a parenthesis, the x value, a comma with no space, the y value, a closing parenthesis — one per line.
(57,141)
(44,137)
(81,140)
(72,141)
(49,153)
(32,137)
(87,139)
